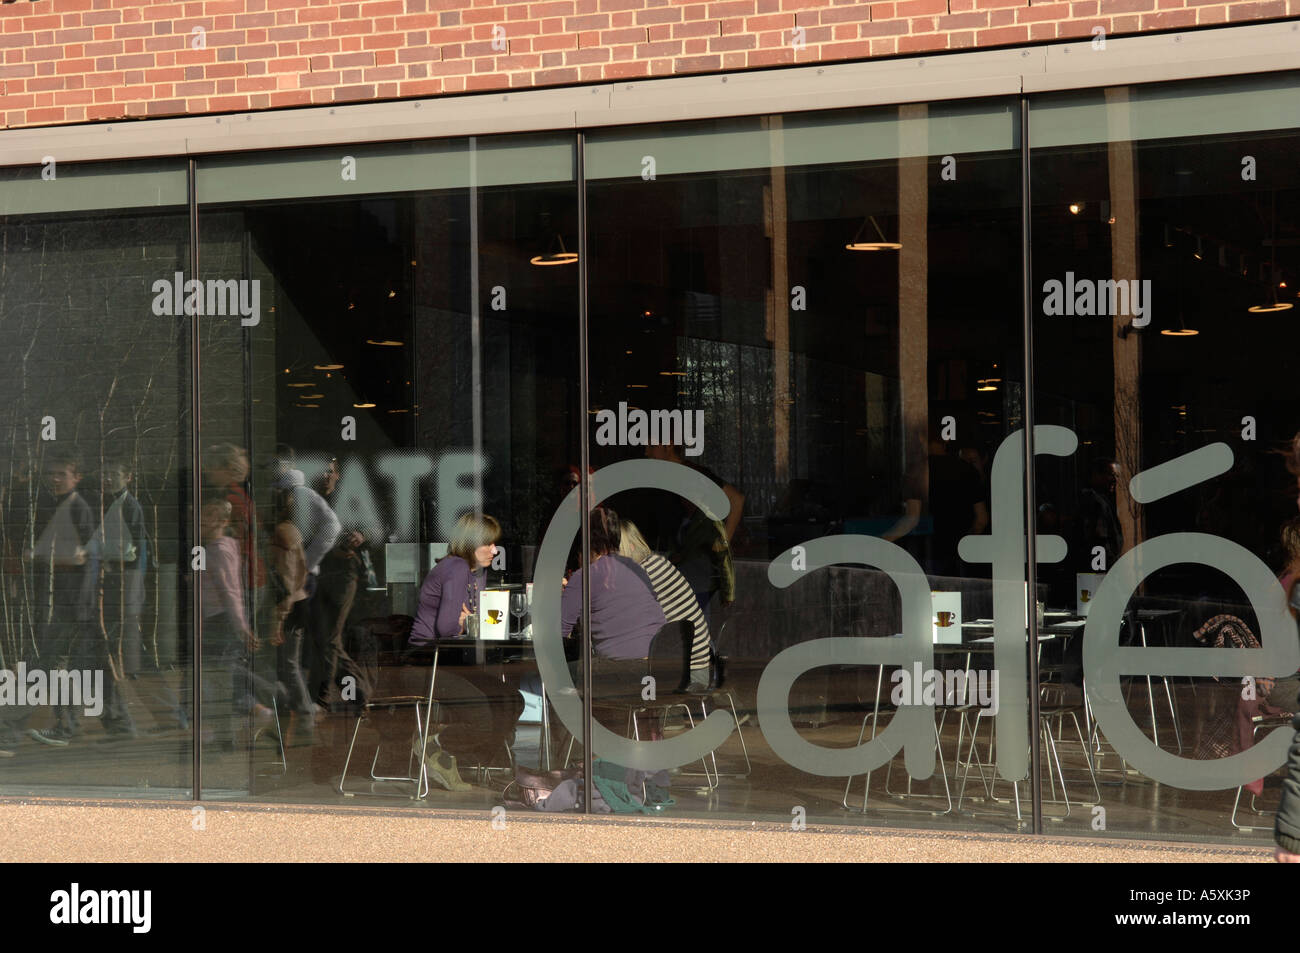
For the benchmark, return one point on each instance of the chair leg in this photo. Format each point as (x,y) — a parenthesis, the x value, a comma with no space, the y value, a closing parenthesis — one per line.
(740,733)
(849,782)
(348,760)
(1173,714)
(1055,757)
(1087,753)
(279,735)
(1233,818)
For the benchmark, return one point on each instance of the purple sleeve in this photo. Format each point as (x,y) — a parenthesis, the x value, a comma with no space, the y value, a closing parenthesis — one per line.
(439,617)
(454,588)
(571,604)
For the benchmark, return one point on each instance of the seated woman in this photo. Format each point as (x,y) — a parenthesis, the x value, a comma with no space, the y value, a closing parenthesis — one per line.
(674,595)
(478,709)
(624,617)
(624,612)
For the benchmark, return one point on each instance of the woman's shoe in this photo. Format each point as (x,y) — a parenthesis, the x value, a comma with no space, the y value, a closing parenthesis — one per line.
(443,770)
(440,765)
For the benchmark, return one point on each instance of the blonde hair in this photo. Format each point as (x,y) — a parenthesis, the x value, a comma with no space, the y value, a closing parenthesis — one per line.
(633,544)
(472,531)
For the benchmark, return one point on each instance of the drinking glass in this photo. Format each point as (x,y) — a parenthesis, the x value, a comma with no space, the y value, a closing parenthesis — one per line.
(518,609)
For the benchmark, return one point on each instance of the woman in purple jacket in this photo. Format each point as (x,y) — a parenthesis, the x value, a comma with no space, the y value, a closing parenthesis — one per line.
(478,708)
(625,615)
(451,591)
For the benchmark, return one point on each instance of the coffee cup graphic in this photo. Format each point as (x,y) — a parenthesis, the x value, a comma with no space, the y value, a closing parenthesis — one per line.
(495,616)
(1085,595)
(944,619)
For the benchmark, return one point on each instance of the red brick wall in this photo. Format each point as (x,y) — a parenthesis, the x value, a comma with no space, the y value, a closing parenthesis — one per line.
(68,61)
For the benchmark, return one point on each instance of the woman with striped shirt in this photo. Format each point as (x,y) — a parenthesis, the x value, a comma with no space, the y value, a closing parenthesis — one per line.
(674,595)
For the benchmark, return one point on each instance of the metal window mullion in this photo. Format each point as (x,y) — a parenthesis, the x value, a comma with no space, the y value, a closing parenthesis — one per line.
(1031,517)
(584,466)
(196,493)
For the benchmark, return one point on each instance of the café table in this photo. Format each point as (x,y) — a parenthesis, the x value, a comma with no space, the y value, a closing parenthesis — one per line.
(484,651)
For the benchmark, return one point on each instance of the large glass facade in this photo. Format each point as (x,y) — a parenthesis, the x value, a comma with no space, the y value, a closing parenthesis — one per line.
(342,444)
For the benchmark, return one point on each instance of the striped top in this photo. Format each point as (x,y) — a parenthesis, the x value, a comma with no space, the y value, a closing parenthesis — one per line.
(674,595)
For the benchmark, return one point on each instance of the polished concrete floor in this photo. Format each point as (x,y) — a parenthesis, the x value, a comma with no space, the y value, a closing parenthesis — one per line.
(829,710)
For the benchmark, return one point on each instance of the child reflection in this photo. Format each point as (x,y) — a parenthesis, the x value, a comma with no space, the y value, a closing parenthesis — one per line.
(228,640)
(288,578)
(478,708)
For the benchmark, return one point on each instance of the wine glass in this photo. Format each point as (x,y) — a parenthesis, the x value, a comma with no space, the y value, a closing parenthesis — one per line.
(518,609)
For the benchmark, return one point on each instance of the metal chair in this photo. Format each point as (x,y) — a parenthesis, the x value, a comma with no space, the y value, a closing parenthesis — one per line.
(1261,722)
(717,691)
(668,664)
(874,718)
(418,776)
(1051,706)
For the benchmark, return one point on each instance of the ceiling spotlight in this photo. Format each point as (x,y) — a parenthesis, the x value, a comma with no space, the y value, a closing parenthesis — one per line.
(1077,207)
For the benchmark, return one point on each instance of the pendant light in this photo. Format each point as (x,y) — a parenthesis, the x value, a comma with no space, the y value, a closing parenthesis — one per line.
(859,245)
(1182,331)
(1272,304)
(556,253)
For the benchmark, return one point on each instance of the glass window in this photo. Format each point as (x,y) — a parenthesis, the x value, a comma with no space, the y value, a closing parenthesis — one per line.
(805,343)
(386,429)
(95,668)
(1166,224)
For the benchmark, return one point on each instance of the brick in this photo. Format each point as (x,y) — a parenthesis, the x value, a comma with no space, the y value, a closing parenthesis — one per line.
(697,64)
(745,41)
(1111,7)
(923,43)
(770,57)
(555,76)
(846,51)
(660,15)
(698,28)
(1009,34)
(959,21)
(1256,11)
(586,57)
(1047,11)
(919,8)
(885,28)
(1169,20)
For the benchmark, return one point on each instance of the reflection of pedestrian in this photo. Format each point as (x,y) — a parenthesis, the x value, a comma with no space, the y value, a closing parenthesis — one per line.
(123,554)
(225,469)
(702,546)
(341,569)
(1286,830)
(320,528)
(64,573)
(288,577)
(956,506)
(228,639)
(1097,521)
